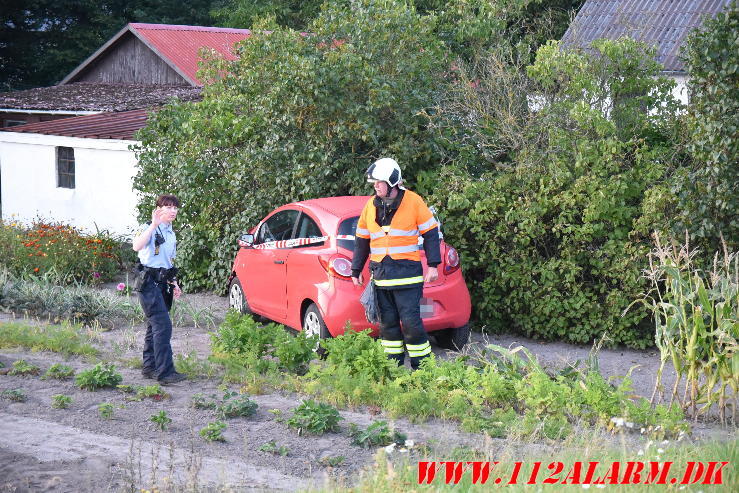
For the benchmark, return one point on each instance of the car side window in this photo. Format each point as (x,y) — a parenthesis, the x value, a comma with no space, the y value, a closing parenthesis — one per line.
(278,227)
(307,228)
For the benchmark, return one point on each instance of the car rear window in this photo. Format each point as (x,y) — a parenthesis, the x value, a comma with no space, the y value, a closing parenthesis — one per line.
(348,227)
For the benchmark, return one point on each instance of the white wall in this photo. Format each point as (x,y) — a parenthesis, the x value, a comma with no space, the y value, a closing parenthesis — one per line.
(103,196)
(680,92)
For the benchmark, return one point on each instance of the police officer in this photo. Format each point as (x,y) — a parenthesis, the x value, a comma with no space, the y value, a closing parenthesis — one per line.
(388,231)
(157,247)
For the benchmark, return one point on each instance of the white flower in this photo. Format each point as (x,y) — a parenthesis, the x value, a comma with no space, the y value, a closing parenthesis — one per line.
(390,448)
(665,442)
(660,451)
(409,443)
(641,452)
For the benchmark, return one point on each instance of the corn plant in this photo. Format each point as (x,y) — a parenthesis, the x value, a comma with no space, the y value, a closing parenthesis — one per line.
(696,318)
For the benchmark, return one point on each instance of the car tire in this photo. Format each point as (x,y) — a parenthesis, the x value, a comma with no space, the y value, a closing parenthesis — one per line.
(454,338)
(313,324)
(237,298)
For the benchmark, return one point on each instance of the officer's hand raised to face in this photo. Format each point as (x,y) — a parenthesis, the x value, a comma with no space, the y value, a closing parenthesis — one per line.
(157,216)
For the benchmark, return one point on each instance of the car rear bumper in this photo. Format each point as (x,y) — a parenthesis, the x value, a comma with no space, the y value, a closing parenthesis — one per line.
(450,301)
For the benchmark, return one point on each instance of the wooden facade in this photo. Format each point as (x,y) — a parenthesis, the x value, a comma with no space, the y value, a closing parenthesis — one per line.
(129,61)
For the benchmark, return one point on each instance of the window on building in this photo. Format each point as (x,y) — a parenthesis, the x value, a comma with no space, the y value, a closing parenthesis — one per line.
(65,167)
(13,123)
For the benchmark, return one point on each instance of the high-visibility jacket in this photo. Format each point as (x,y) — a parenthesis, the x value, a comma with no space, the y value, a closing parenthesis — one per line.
(399,239)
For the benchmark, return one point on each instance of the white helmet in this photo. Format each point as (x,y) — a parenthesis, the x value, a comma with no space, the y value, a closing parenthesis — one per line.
(385,169)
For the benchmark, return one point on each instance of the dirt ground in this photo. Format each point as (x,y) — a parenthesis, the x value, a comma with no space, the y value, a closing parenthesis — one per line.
(74,449)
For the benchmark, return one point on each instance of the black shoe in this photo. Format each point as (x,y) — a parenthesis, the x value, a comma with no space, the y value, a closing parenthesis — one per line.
(148,374)
(172,378)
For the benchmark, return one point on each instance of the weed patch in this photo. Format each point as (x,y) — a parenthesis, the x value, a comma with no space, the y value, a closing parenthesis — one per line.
(100,376)
(15,395)
(60,401)
(213,432)
(271,447)
(23,368)
(66,339)
(58,371)
(379,433)
(315,418)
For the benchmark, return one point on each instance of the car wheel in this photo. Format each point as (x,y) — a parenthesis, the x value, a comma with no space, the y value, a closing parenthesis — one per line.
(454,339)
(313,325)
(237,298)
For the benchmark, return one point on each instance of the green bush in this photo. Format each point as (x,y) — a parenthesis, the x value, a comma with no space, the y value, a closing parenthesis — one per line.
(708,201)
(15,395)
(235,406)
(23,368)
(553,230)
(58,372)
(213,432)
(60,401)
(377,434)
(293,117)
(314,417)
(99,376)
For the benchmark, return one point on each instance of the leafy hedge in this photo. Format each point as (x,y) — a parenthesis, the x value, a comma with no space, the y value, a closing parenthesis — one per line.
(295,117)
(554,244)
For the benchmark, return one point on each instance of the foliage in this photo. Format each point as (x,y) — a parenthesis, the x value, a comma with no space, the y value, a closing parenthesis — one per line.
(15,395)
(141,392)
(696,326)
(200,401)
(79,304)
(60,252)
(23,368)
(99,376)
(194,367)
(234,406)
(262,347)
(552,227)
(287,13)
(294,117)
(58,372)
(107,409)
(161,420)
(60,401)
(213,432)
(41,41)
(271,447)
(332,460)
(314,417)
(360,354)
(379,433)
(707,196)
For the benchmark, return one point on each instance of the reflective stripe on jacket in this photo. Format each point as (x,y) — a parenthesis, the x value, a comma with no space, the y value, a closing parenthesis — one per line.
(400,239)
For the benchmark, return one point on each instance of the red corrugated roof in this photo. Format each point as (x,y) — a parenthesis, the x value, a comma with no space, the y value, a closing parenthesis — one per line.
(121,125)
(181,45)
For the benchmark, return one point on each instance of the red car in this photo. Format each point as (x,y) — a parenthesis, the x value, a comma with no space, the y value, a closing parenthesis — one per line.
(294,268)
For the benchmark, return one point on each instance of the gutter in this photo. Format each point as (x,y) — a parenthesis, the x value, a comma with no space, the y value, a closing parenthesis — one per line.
(49,112)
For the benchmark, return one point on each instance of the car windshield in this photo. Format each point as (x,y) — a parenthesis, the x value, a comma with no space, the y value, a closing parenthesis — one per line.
(348,227)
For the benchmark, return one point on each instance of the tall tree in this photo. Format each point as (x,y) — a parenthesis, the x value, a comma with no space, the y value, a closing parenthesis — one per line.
(43,40)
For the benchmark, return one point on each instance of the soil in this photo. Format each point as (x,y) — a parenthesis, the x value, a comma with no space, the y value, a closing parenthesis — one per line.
(74,449)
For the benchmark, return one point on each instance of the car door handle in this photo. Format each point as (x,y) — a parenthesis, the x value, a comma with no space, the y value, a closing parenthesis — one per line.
(279,261)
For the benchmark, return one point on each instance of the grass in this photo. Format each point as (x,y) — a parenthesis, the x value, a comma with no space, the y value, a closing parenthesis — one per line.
(398,471)
(66,339)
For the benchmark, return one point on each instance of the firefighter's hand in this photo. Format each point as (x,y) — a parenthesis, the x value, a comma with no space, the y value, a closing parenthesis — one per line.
(432,274)
(358,281)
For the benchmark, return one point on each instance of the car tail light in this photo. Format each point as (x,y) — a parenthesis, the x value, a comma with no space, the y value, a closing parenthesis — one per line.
(337,266)
(451,261)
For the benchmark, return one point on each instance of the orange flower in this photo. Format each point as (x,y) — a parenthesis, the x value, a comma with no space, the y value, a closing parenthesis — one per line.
(36,269)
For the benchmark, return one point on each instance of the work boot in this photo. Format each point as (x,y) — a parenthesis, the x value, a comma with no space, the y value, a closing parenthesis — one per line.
(146,373)
(173,377)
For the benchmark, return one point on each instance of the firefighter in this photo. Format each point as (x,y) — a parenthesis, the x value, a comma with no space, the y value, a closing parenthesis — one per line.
(388,232)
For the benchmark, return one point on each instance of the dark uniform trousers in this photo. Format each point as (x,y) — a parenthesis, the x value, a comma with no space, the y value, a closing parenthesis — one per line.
(156,300)
(402,307)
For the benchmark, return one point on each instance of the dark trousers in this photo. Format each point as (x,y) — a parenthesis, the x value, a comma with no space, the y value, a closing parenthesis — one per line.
(156,300)
(401,308)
